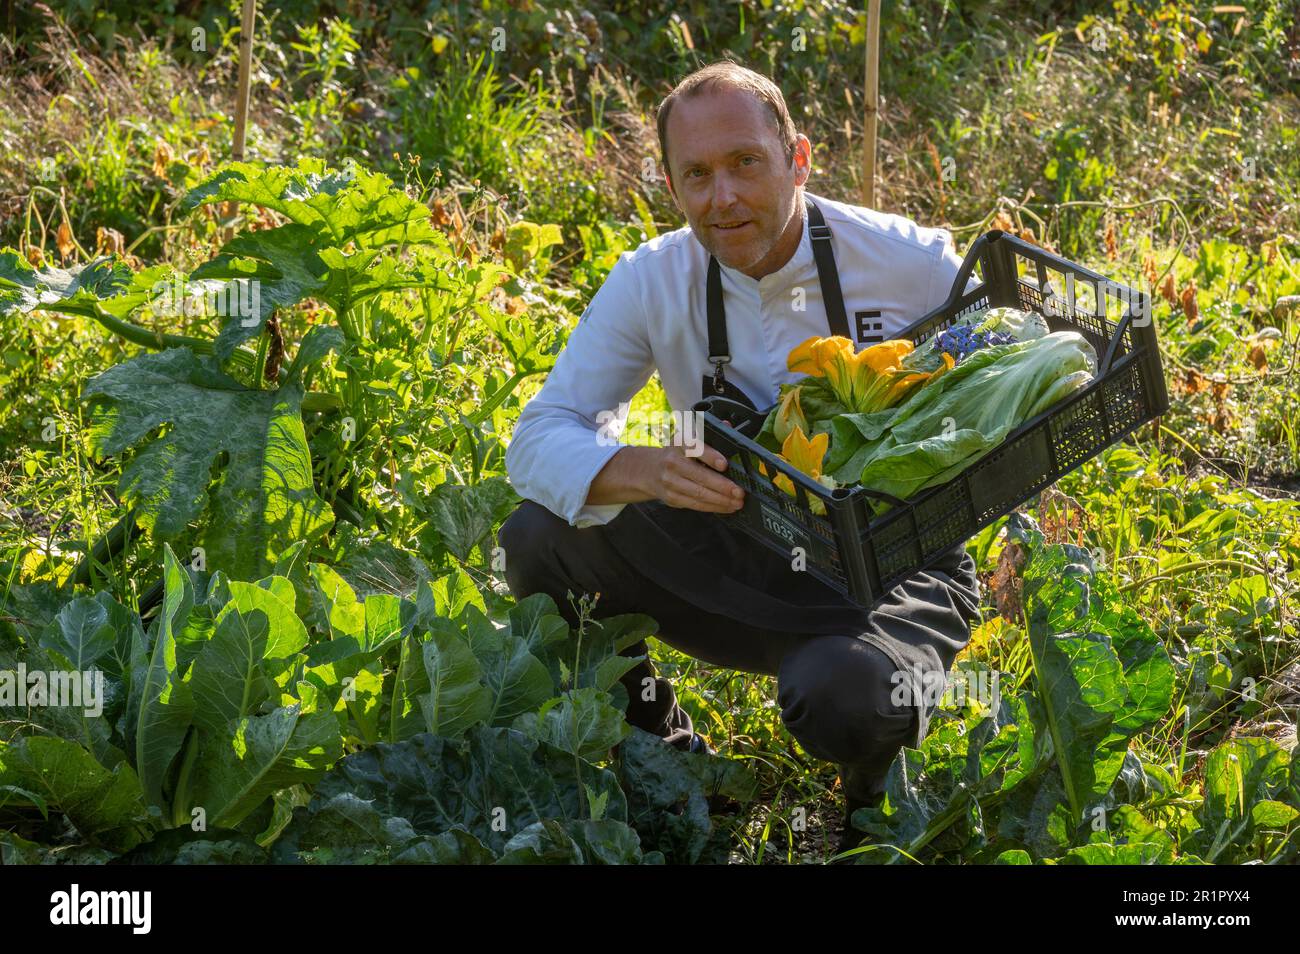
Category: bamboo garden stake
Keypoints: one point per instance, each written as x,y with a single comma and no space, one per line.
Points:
246,25
871,101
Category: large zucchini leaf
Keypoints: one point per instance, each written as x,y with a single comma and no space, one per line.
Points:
264,499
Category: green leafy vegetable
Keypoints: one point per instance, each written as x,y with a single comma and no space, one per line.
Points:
948,425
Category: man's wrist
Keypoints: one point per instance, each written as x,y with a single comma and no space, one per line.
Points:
625,478
648,472
637,466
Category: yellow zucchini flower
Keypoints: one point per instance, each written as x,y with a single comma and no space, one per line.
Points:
873,379
789,415
814,354
806,455
887,355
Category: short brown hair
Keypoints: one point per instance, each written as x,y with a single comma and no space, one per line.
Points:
730,73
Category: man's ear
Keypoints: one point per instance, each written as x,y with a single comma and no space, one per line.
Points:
672,193
804,168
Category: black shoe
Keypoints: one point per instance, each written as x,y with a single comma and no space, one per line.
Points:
700,746
697,745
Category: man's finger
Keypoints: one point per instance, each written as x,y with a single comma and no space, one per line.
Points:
708,456
703,470
706,495
718,484
699,496
712,457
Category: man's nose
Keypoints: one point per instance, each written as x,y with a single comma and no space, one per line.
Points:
724,191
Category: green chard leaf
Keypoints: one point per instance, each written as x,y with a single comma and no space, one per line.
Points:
1102,674
258,755
581,722
104,805
166,706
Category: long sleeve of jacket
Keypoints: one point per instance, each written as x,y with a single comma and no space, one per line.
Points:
568,431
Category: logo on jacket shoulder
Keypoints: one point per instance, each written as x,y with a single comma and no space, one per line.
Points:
867,326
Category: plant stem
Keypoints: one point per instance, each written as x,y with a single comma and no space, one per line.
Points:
445,435
259,362
156,340
112,544
180,802
1189,567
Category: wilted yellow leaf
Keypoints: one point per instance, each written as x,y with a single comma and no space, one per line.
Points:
109,241
63,239
162,157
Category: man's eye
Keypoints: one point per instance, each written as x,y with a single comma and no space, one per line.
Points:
755,158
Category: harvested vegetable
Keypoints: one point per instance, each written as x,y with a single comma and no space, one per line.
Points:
936,437
878,423
839,382
789,415
973,332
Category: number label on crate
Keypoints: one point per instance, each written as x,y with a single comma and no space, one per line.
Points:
782,527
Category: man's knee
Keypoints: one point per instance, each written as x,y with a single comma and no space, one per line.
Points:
837,698
544,553
957,571
528,537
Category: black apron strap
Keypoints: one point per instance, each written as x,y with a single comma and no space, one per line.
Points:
827,276
718,385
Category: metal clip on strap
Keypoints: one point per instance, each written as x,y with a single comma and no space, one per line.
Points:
718,362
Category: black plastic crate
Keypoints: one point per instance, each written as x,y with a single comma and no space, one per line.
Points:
863,557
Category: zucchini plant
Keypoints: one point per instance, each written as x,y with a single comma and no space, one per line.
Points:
341,349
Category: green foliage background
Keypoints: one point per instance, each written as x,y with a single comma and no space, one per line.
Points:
1153,141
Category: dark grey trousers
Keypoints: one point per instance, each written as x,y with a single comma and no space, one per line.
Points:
834,691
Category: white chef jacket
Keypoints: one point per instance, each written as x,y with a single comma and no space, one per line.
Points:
651,313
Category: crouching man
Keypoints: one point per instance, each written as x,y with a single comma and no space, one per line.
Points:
716,307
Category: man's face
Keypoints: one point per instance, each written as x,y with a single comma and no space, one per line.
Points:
727,168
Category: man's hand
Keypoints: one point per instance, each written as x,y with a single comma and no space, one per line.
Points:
692,482
668,474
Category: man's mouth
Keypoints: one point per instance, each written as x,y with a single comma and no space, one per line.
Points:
732,226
